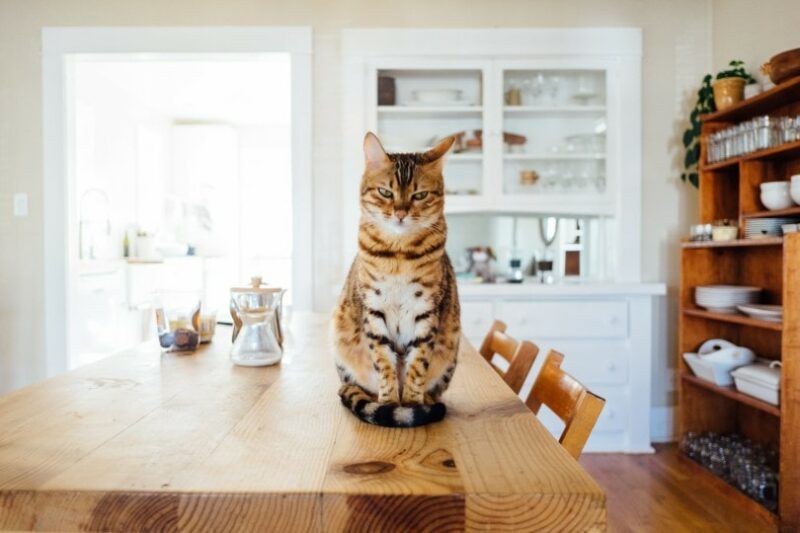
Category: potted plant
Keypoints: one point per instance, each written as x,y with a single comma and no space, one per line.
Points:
729,85
708,102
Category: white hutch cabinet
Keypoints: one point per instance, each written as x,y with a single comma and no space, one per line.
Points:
551,123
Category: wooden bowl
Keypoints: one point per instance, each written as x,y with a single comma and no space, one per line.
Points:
783,66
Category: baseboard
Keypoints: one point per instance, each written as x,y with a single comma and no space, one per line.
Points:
662,424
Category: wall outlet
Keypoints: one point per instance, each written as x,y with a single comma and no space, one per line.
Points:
20,204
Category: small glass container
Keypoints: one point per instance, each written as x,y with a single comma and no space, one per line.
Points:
178,321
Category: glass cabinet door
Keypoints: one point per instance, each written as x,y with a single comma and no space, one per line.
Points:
417,107
553,133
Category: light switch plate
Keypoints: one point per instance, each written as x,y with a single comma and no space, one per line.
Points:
20,204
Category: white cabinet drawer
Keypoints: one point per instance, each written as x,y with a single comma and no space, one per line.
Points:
476,318
565,319
593,362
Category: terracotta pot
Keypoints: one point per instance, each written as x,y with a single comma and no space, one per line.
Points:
728,91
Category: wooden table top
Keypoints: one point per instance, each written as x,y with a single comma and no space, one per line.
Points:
142,440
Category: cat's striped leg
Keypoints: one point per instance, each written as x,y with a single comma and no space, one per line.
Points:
384,360
417,363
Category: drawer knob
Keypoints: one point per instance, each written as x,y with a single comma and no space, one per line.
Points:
614,320
611,366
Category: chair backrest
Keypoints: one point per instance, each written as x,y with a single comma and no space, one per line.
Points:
569,399
519,355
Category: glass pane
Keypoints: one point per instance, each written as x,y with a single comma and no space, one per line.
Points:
417,108
554,130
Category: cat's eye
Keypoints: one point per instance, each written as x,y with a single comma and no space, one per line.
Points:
386,193
419,195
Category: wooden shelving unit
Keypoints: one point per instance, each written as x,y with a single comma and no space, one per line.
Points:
730,190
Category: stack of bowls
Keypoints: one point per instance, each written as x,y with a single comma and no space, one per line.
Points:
775,195
794,188
725,298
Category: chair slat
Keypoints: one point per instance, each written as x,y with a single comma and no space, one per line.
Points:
569,399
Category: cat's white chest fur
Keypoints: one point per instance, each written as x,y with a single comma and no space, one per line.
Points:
401,302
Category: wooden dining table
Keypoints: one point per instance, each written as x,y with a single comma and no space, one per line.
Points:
142,440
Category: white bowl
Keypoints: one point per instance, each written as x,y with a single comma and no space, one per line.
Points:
794,192
789,228
775,185
776,199
795,179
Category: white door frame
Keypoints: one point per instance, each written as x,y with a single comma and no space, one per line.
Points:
60,220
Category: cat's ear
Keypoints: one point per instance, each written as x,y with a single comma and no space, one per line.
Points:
374,154
436,154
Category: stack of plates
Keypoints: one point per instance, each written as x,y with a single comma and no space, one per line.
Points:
765,227
770,313
725,298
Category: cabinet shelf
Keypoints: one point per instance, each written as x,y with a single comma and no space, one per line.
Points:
720,485
791,211
433,111
733,394
761,104
784,151
554,157
733,319
550,110
739,243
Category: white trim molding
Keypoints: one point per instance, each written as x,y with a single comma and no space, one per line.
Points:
59,48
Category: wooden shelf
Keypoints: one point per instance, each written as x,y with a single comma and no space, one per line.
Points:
733,394
730,190
738,243
789,212
720,485
733,319
761,104
783,151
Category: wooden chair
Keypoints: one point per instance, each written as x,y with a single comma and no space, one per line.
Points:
572,402
519,355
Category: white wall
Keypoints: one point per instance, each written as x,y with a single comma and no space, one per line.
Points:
677,52
753,32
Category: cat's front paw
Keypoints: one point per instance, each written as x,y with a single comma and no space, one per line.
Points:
389,397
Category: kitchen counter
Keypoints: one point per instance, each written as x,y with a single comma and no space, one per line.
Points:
145,441
583,288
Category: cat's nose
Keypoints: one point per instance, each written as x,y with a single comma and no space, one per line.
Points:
401,214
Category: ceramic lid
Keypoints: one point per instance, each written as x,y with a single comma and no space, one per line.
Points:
256,287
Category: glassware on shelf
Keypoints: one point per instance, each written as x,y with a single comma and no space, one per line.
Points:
750,467
554,89
759,133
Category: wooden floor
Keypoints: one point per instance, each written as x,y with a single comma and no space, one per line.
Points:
658,493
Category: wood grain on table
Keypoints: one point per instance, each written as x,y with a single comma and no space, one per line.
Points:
142,440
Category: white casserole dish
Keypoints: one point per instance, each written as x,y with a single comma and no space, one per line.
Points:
715,360
760,381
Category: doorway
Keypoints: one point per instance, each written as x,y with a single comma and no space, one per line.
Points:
183,167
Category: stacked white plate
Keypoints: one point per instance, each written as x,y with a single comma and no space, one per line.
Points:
765,227
725,298
770,313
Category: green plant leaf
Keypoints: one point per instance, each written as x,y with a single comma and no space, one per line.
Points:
688,137
694,179
692,156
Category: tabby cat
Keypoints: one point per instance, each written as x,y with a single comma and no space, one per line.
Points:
396,327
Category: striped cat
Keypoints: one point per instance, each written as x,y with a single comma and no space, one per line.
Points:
396,328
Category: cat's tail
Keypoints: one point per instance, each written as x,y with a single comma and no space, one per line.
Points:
364,406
